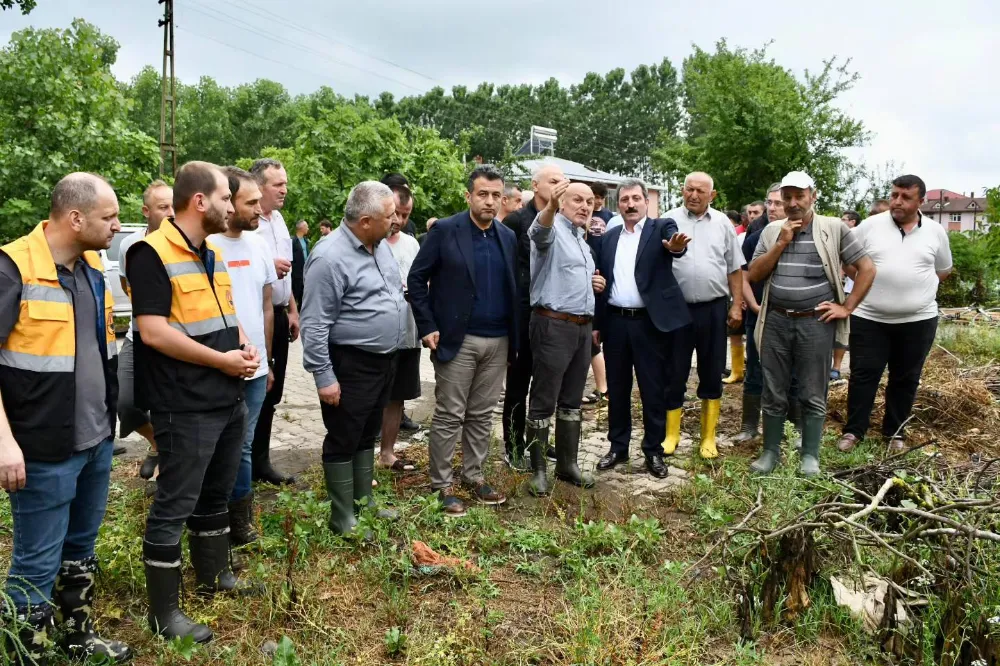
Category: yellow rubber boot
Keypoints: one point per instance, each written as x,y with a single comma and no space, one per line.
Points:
738,364
673,431
709,419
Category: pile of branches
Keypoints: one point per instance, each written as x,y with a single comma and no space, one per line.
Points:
932,529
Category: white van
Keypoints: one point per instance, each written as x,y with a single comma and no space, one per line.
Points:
123,306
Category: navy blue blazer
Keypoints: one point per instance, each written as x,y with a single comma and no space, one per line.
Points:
654,275
442,283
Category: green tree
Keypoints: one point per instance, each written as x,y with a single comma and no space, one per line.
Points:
348,143
25,5
61,110
748,121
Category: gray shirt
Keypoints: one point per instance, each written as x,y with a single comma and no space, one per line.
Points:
561,268
354,298
90,409
799,280
714,253
123,249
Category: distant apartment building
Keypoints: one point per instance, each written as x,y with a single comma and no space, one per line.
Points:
956,210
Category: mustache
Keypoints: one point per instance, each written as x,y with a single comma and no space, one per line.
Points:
631,210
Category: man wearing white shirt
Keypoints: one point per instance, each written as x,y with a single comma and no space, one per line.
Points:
895,325
273,183
157,205
709,275
640,305
250,265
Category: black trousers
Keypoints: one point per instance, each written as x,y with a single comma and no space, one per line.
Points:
706,334
199,457
365,383
298,288
874,345
635,343
518,381
262,433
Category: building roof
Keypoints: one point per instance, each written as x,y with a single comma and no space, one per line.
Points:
572,170
953,204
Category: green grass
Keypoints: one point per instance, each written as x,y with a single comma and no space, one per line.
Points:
975,344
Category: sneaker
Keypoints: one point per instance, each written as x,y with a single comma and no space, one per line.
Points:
486,494
409,425
450,505
834,375
517,463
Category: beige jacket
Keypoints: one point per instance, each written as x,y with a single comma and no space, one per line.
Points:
826,235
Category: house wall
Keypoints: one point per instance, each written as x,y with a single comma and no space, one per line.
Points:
654,203
970,221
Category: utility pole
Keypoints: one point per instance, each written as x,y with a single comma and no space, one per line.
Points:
168,98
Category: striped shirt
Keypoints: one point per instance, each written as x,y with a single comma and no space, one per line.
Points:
799,281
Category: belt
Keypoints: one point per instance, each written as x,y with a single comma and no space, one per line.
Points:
794,314
562,316
631,313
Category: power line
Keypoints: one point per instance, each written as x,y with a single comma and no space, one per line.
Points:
228,19
327,38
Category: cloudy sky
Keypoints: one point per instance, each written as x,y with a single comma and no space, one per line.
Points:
929,70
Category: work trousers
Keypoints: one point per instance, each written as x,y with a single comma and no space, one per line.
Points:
561,351
801,347
199,459
874,345
279,349
515,400
366,380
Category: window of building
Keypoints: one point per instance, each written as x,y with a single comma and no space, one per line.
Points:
956,217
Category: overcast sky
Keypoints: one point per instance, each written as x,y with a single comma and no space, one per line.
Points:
929,70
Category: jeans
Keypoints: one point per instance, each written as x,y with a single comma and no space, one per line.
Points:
466,392
561,351
799,347
199,457
254,393
874,345
56,517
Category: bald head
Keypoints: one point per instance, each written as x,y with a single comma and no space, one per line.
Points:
84,212
698,193
543,181
577,204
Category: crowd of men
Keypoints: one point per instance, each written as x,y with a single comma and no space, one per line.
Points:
532,296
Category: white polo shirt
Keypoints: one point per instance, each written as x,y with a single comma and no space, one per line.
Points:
907,265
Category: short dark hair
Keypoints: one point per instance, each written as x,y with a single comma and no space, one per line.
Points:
735,216
76,191
193,178
757,203
910,181
403,192
394,180
852,215
599,190
486,171
260,167
236,175
326,223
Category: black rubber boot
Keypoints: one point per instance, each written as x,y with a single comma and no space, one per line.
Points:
568,423
208,539
73,597
812,436
751,419
536,435
149,465
363,471
33,628
339,478
260,457
241,518
774,429
163,583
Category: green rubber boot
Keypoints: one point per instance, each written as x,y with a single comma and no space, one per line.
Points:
774,428
536,435
339,478
812,436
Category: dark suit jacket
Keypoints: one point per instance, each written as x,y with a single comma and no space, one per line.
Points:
442,283
519,222
654,275
298,258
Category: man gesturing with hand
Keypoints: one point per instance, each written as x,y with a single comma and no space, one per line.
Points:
803,310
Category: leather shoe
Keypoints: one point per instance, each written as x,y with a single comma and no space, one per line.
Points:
611,459
656,466
270,475
847,443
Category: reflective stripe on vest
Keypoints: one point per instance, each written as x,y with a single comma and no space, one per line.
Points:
44,337
197,306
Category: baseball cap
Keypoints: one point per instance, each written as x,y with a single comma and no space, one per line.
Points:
799,179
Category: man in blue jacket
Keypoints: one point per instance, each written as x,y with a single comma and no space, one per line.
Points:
641,303
462,291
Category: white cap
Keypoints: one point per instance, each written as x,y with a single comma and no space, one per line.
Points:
799,179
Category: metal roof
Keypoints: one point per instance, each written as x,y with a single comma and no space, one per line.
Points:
572,170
